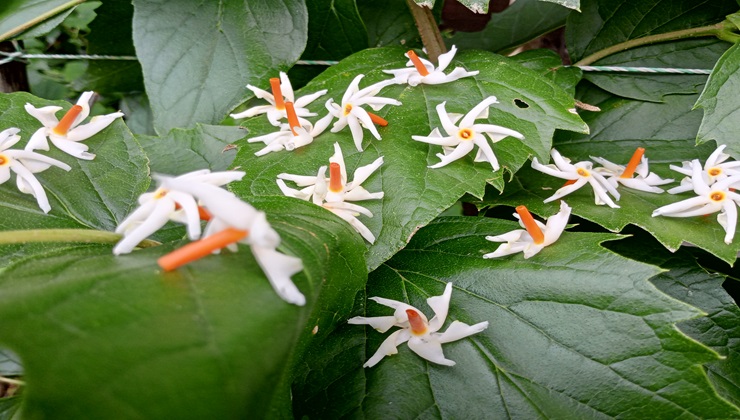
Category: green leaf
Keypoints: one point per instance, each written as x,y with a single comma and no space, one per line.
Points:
721,102
17,16
203,147
563,324
570,4
521,22
686,281
684,54
549,65
666,130
416,194
133,340
389,22
198,56
96,194
603,23
9,407
335,30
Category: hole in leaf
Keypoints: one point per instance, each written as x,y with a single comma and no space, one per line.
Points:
520,103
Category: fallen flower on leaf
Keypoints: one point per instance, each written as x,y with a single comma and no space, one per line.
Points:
25,163
67,133
618,174
292,135
421,334
710,199
423,71
534,236
234,221
461,138
175,199
578,175
282,92
335,195
715,168
351,112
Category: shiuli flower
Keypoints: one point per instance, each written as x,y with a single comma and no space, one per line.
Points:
233,221
336,194
293,135
282,92
25,163
351,112
461,138
577,175
419,70
67,133
175,199
420,333
715,168
618,174
710,199
534,236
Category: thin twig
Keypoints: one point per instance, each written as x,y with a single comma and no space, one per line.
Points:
428,29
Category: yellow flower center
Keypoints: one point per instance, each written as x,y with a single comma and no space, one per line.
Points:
160,193
582,172
418,326
347,109
714,171
4,160
465,134
717,196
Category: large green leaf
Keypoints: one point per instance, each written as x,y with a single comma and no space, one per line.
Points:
335,30
202,147
95,194
198,56
17,16
666,130
389,22
521,22
575,332
9,408
549,65
415,194
685,280
721,102
603,23
114,337
689,54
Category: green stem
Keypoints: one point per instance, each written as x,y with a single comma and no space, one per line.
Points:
66,235
40,18
428,29
720,30
12,381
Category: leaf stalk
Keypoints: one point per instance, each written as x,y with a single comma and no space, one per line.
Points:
428,30
65,235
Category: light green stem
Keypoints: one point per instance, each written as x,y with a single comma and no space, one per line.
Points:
66,235
719,30
40,18
428,29
12,381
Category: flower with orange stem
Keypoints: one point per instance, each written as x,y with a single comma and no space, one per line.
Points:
232,222
351,113
535,235
175,199
297,133
336,194
67,133
25,163
625,175
282,92
463,134
577,175
419,70
420,333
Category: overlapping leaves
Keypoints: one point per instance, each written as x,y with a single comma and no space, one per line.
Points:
563,324
415,194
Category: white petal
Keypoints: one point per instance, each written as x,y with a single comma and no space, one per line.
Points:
362,173
92,128
388,347
458,330
45,115
157,218
279,268
28,183
78,150
440,305
461,150
477,111
38,141
430,349
556,224
380,323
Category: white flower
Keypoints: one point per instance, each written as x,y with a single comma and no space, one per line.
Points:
715,168
282,91
421,334
710,199
291,138
67,133
536,236
419,70
25,163
351,112
335,195
581,173
618,174
461,138
176,199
